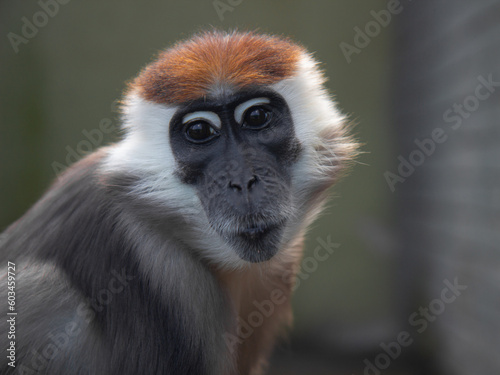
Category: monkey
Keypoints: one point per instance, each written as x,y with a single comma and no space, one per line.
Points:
153,255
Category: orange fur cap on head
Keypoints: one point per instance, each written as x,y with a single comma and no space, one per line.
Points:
191,69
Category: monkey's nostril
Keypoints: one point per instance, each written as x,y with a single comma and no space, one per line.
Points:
239,187
235,187
252,182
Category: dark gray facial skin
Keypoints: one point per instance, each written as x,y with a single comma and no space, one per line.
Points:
241,171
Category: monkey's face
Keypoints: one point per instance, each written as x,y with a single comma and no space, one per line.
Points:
237,152
232,142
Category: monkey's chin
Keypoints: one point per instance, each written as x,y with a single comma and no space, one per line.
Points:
257,244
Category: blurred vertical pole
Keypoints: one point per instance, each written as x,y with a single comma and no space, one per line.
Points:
23,119
448,84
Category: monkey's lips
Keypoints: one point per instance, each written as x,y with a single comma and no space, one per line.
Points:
256,232
258,242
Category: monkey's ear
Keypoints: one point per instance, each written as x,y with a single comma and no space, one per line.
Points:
339,150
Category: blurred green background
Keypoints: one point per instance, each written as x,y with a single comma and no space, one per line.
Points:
68,77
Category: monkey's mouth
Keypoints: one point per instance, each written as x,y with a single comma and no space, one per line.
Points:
257,243
255,233
254,238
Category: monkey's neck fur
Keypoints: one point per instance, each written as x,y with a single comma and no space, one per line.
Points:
260,305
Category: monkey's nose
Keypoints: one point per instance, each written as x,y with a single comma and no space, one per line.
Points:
243,184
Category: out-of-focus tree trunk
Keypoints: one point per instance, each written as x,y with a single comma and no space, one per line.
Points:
448,77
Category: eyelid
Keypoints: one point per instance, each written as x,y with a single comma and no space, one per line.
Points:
210,117
241,108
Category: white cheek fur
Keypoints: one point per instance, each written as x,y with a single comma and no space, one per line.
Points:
146,151
314,113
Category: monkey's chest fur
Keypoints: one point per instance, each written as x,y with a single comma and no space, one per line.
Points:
260,308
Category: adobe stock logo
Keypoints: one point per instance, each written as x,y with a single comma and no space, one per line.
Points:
223,6
372,29
420,321
454,115
94,139
30,27
264,309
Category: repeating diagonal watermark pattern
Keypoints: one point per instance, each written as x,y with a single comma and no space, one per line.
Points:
93,139
31,26
264,309
419,321
455,115
363,36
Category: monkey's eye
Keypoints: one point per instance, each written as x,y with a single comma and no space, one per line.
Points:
257,117
200,131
